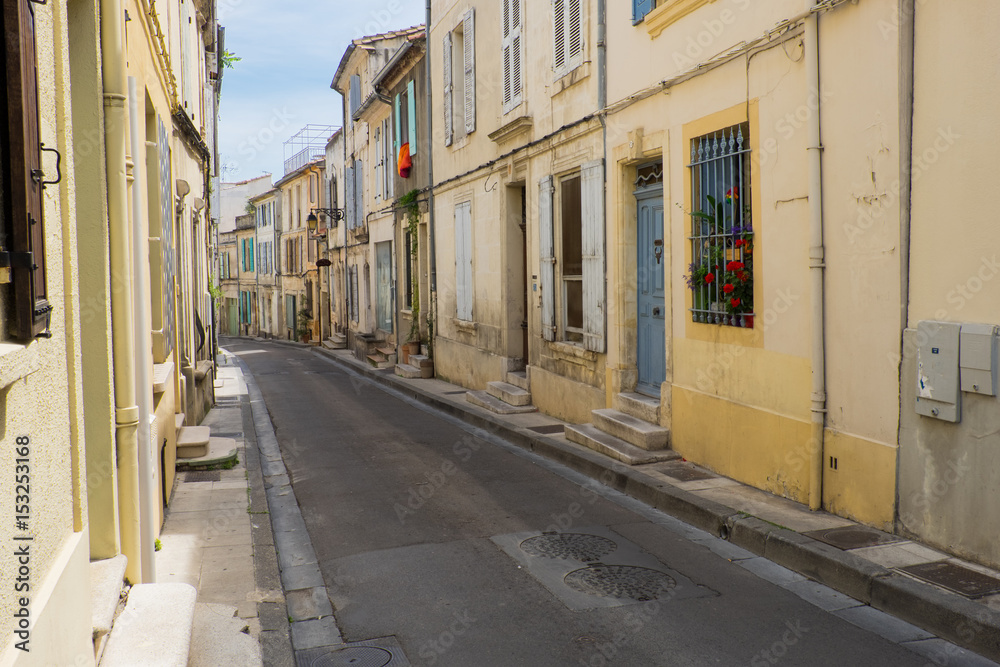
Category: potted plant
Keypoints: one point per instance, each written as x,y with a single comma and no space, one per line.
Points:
304,325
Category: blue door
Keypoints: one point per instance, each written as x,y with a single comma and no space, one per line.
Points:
651,348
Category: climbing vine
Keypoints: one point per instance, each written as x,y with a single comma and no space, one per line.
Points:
408,203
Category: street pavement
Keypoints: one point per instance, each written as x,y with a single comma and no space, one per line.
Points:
441,544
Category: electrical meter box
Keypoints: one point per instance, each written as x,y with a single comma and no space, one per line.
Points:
937,370
978,359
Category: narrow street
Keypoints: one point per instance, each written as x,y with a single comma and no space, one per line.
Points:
417,523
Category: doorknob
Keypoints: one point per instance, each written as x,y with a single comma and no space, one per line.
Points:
656,312
658,249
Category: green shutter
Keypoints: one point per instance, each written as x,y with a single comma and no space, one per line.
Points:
411,103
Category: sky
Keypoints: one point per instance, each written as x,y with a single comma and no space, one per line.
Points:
289,53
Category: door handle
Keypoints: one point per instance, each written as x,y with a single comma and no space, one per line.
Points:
658,249
656,312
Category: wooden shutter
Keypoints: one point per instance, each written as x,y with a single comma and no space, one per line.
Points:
411,115
27,237
559,35
349,208
640,8
511,54
359,193
567,17
355,93
574,29
397,139
449,120
547,257
469,31
463,261
592,194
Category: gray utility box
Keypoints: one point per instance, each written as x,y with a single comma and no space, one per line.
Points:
978,359
937,370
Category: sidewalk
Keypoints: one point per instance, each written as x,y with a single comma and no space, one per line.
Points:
217,537
756,523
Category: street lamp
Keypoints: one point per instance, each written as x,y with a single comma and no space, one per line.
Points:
333,213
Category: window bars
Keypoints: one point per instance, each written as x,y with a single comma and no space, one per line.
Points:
721,272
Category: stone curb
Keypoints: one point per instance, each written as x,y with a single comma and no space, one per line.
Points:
950,616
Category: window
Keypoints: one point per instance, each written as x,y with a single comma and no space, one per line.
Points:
410,259
580,252
406,117
463,261
388,159
21,220
513,48
567,35
460,79
290,311
379,164
640,8
383,286
721,272
355,93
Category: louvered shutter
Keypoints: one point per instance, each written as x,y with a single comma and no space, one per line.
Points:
359,193
411,115
592,194
547,257
27,241
355,93
469,30
511,54
559,34
397,137
574,28
449,129
349,208
640,8
463,261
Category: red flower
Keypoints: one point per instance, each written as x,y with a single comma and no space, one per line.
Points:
734,302
734,266
740,243
727,288
710,278
743,276
731,194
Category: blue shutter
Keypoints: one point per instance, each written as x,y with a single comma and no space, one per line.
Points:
640,8
411,104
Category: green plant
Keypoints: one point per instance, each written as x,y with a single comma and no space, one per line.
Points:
250,209
229,59
408,203
304,323
214,290
157,545
722,266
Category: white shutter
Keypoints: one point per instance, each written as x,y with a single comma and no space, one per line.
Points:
448,92
378,163
592,194
469,30
349,196
512,48
463,261
547,256
558,35
359,193
411,115
574,28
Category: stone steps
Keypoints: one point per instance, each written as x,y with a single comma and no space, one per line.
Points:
380,361
508,393
220,452
493,404
421,361
407,371
638,406
192,441
333,344
106,579
154,630
631,429
593,438
519,379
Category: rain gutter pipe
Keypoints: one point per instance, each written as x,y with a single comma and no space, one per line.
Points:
142,326
431,237
817,263
123,343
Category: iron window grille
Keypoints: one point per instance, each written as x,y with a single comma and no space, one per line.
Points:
721,272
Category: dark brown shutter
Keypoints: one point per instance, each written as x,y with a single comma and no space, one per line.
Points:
31,305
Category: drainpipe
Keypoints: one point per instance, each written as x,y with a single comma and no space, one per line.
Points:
123,345
907,39
431,237
816,264
142,326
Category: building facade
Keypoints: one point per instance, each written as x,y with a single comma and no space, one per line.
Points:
301,192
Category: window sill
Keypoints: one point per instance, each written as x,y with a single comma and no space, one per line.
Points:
512,130
570,77
573,352
669,13
465,326
17,362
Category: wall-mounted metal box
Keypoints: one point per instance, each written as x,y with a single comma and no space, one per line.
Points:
937,370
978,359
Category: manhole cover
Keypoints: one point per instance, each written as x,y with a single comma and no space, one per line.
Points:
203,476
683,473
852,537
575,546
621,581
355,656
955,578
548,428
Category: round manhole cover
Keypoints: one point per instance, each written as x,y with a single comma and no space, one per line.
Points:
575,546
621,581
354,656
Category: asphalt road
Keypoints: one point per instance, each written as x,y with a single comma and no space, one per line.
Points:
431,533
